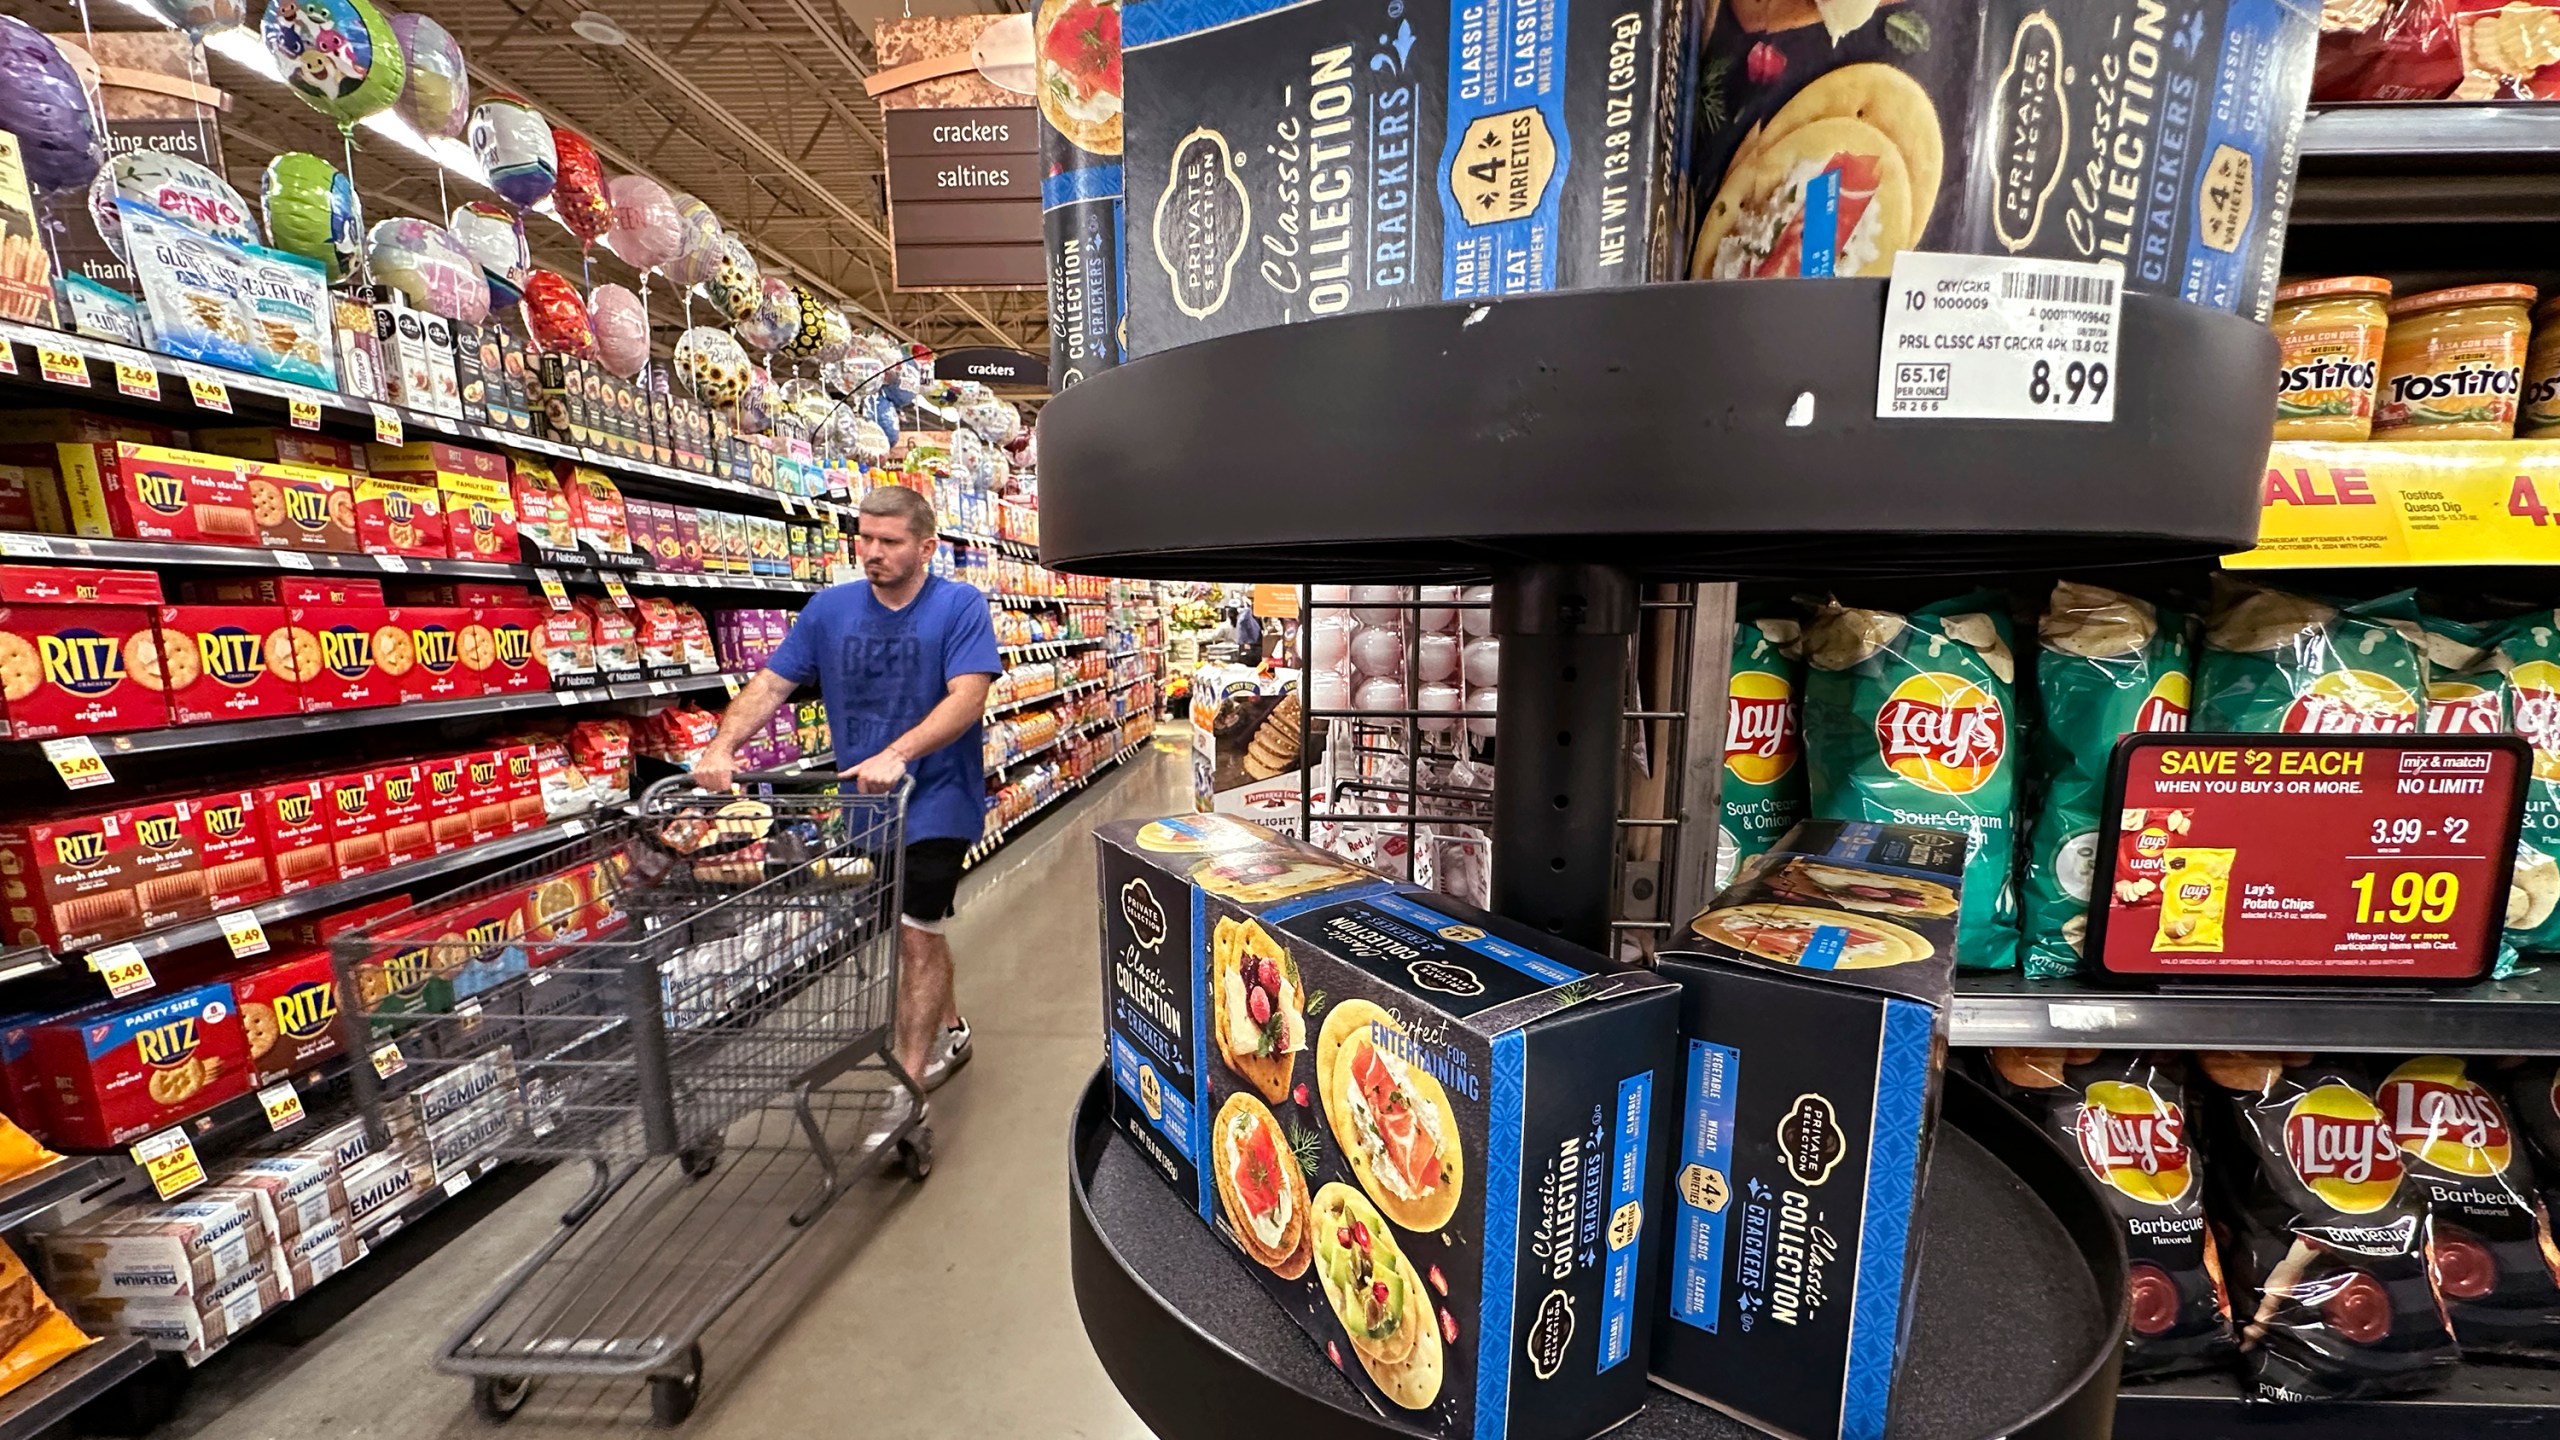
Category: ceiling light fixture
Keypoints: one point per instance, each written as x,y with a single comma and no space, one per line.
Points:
596,27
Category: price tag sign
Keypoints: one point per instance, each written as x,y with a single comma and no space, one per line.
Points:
62,367
730,684
139,381
552,589
25,547
2328,856
75,758
1986,337
396,564
242,932
169,1158
387,1061
284,1105
291,559
457,1182
386,426
8,357
613,587
209,393
123,968
661,687
304,413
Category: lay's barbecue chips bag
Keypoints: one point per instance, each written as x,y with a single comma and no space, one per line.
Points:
2107,665
1762,793
1911,720
2527,653
2276,663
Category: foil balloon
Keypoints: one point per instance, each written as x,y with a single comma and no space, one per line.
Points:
425,263
312,212
493,235
177,187
555,315
835,338
712,365
513,143
810,330
646,229
735,282
43,103
756,403
200,17
340,56
579,192
437,99
806,405
698,247
621,328
775,318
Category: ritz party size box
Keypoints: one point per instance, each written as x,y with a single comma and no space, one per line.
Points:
1812,1029
1431,1134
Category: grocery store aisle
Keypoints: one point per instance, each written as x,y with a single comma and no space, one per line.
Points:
935,1310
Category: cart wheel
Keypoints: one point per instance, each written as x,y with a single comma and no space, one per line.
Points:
915,1152
499,1397
672,1397
700,1162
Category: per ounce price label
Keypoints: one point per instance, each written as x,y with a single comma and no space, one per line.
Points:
1983,337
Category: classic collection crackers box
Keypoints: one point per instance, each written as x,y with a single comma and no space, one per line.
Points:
1292,161
1431,1133
1811,1021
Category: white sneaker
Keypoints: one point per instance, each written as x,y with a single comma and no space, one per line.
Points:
949,1054
902,1105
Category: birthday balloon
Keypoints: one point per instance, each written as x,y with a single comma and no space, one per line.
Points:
199,17
312,211
735,282
177,187
493,235
835,338
555,315
870,442
425,263
646,229
621,327
698,250
437,99
774,321
754,415
340,56
712,365
43,103
513,143
579,194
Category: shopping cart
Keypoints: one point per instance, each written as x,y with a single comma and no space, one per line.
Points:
698,999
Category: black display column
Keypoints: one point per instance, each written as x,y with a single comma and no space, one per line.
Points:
1564,632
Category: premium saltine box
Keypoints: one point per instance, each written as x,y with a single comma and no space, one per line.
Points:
1432,1134
1812,1025
1286,162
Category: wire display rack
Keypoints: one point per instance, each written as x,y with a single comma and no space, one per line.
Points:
698,1000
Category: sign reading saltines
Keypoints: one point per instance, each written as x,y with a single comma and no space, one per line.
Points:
2335,857
1983,337
963,157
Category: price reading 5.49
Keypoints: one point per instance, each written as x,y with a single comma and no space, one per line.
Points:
2412,896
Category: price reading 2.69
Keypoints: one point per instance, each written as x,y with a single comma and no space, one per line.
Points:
2412,896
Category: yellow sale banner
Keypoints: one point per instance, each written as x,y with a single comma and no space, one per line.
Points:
2459,502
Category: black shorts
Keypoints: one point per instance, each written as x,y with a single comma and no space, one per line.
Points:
933,879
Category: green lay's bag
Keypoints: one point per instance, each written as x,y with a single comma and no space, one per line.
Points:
2468,695
2276,663
2527,653
1911,720
1762,792
2107,665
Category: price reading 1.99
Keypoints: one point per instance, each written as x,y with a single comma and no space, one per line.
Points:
2412,897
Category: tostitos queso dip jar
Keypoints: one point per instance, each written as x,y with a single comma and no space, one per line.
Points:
2540,417
2453,366
2329,334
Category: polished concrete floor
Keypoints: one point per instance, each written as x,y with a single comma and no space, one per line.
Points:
940,1309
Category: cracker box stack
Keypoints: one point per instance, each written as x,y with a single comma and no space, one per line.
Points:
1812,1022
1431,1134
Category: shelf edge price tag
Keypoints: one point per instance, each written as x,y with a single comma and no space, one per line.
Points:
25,547
1990,337
242,932
169,1158
62,367
139,381
303,412
621,596
75,758
730,684
386,426
292,560
284,1105
457,1182
396,564
123,968
208,392
552,589
387,1061
8,356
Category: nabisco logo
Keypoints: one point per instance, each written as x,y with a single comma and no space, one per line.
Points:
232,655
2336,1140
160,492
2352,702
2536,686
2165,708
1942,732
307,506
2134,1141
2440,1115
2459,707
1761,738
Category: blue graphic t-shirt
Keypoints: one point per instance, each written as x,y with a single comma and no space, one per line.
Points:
882,671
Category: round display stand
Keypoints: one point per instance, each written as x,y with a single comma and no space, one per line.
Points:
1712,430
2019,1302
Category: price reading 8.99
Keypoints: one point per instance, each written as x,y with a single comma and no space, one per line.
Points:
2411,897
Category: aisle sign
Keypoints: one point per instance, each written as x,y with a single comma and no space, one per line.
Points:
138,381
75,758
2459,502
1988,337
123,968
209,393
2333,857
386,426
169,1158
303,412
963,162
62,367
242,932
283,1104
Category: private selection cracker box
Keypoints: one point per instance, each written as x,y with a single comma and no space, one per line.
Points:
1432,1134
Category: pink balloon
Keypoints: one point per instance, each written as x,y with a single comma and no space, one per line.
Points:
622,329
646,231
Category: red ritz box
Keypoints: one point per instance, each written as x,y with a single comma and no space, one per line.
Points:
404,814
149,492
484,791
515,658
443,783
69,881
232,851
292,817
521,779
119,1074
71,641
399,517
354,803
344,648
428,665
168,883
289,1012
227,662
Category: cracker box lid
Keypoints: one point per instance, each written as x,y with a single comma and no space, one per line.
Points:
69,585
1854,902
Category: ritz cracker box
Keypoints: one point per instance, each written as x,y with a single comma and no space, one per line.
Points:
1812,1021
1433,1135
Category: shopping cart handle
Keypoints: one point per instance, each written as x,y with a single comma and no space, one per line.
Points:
782,776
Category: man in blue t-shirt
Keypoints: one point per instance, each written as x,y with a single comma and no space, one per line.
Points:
903,658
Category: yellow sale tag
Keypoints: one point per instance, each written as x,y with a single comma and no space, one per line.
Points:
613,587
169,1158
387,1061
284,1105
730,684
62,367
242,932
139,381
209,393
305,414
8,357
386,426
75,758
552,589
2475,502
123,968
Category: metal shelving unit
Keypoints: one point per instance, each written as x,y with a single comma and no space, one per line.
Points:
2499,1017
73,548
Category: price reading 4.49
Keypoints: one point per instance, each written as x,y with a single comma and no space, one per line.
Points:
2411,897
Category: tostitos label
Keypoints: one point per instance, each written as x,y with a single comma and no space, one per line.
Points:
2134,1142
2444,1119
1942,732
2337,1141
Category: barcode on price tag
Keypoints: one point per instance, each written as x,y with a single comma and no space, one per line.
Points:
284,1105
169,1158
242,932
1986,337
75,758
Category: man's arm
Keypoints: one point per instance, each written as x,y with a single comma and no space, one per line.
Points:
963,702
754,705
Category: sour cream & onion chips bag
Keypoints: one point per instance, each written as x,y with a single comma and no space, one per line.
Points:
2278,663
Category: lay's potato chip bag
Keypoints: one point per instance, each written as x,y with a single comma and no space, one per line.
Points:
1762,792
2527,654
2279,663
2467,694
2195,890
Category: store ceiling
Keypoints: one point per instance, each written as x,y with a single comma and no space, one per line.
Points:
756,106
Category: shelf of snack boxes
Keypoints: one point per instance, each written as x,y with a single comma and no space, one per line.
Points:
995,838
1062,737
178,378
575,569
1061,693
1047,649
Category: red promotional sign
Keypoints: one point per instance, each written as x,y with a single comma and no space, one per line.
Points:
2335,857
